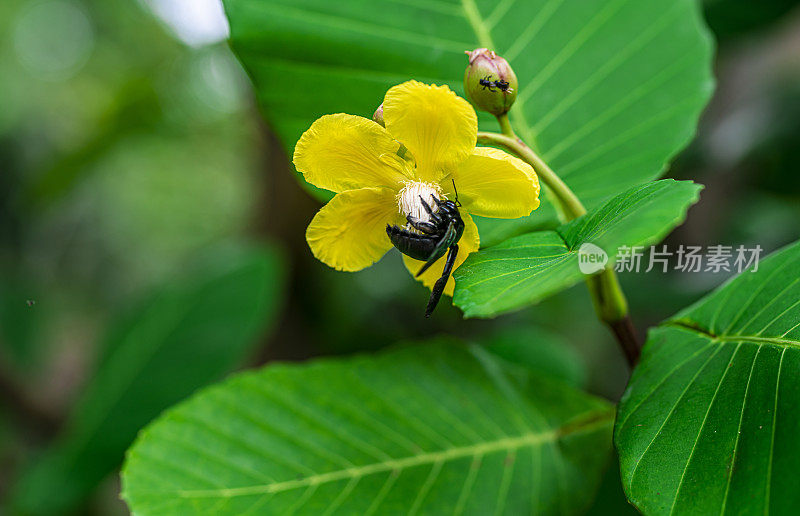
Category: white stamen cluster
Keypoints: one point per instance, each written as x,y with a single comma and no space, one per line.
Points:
408,200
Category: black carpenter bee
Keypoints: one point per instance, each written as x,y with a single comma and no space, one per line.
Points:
438,236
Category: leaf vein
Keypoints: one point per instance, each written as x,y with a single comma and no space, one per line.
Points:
739,432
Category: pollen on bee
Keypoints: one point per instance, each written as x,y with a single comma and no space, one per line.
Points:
408,200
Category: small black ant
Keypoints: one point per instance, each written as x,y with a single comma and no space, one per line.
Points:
500,84
486,83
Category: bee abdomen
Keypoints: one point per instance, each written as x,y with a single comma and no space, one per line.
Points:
419,247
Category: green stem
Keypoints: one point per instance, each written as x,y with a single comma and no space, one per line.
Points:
505,127
609,300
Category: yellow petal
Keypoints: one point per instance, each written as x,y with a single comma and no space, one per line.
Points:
344,152
349,233
469,243
437,126
493,183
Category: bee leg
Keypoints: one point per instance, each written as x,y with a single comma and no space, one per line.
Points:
434,216
438,287
426,227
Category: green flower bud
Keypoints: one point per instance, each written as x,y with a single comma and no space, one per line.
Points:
489,81
378,116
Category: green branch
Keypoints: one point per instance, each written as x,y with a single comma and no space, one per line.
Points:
609,300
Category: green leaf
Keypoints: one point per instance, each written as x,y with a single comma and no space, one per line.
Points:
528,268
185,337
610,498
609,91
541,351
435,428
708,424
22,319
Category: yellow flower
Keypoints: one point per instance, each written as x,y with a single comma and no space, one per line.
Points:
361,161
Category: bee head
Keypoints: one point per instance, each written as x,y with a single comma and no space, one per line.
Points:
448,207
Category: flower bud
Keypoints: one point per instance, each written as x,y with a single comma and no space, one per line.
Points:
378,116
489,81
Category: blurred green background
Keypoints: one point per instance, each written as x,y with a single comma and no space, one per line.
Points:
152,232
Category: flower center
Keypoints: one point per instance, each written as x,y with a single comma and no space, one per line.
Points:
409,203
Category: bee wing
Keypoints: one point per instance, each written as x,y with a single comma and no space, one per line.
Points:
436,254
